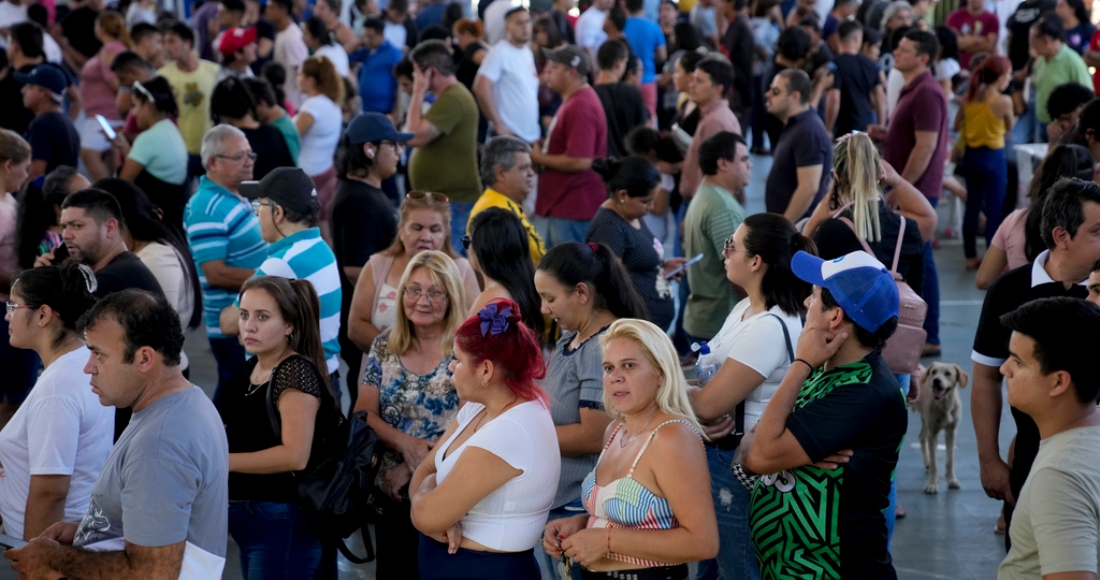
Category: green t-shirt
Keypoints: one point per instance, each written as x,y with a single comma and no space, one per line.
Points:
809,522
449,163
290,133
713,216
1065,67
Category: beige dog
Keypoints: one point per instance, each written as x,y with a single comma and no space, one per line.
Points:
940,408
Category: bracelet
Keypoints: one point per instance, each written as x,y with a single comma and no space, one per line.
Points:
609,552
810,366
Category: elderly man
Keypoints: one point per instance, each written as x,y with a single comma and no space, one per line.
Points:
224,236
509,176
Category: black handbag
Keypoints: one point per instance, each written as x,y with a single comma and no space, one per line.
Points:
334,490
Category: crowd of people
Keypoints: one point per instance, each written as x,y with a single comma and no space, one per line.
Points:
503,235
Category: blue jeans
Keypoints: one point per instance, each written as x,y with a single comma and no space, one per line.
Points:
892,510
736,556
986,172
548,565
1026,128
931,291
230,356
437,564
556,231
274,541
460,214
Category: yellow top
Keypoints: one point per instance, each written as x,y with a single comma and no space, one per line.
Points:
493,198
981,127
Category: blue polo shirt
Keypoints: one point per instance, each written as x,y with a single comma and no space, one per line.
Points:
644,37
306,256
377,86
221,225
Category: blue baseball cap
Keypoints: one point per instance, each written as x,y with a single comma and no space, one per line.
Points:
861,285
48,76
371,127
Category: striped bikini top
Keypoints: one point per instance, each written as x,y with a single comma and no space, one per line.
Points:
625,503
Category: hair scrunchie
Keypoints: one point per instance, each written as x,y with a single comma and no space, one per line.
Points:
494,321
593,247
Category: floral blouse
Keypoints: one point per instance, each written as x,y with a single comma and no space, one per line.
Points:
418,405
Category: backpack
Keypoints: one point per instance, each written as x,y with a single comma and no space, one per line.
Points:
903,348
334,490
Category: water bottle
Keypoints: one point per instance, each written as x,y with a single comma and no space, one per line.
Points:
703,372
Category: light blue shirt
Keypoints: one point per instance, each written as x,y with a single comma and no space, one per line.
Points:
162,151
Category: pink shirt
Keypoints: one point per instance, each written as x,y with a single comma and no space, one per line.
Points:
579,129
715,118
1012,238
9,258
98,96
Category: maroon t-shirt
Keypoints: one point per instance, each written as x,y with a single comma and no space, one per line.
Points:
922,106
579,129
963,22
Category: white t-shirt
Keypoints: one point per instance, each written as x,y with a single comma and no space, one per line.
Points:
511,518
589,29
397,34
758,343
291,51
167,267
61,429
320,141
11,14
337,56
515,87
494,20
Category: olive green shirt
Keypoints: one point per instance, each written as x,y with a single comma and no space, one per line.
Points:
448,164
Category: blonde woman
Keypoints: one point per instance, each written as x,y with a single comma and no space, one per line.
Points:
407,391
98,89
654,454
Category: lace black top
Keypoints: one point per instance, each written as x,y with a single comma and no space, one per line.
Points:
248,427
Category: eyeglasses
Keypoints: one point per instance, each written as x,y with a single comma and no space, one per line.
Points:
12,307
257,204
434,296
434,195
466,242
239,158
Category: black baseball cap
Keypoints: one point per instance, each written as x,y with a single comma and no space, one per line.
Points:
289,187
48,76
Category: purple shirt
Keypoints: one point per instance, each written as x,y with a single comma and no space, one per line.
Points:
922,106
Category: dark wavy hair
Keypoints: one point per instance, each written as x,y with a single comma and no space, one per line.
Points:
634,174
503,253
773,238
595,266
64,288
144,220
515,351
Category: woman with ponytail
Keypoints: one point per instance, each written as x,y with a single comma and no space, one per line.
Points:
982,120
57,442
632,185
583,290
279,324
753,351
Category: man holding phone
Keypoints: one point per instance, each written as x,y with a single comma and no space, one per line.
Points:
52,136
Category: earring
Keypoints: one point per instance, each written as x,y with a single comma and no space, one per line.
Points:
621,200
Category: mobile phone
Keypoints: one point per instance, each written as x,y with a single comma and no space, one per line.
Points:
11,542
683,266
107,128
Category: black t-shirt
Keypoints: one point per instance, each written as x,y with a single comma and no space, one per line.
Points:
15,116
804,142
809,522
738,43
248,428
834,239
364,223
624,108
264,29
54,139
125,272
1019,27
269,145
636,247
1009,292
856,77
79,28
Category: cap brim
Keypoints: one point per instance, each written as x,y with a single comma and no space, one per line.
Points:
551,54
251,189
22,77
403,137
808,268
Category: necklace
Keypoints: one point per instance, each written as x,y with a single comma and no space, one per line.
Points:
623,440
486,414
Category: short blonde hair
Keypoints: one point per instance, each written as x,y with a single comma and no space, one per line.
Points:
672,396
444,272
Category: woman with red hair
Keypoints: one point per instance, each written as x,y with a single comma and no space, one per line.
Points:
483,493
982,121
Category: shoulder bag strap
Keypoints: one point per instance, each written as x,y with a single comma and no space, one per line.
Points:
786,335
897,249
862,241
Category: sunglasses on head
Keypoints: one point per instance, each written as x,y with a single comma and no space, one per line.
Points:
434,195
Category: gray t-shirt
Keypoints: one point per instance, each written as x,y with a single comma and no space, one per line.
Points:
166,480
1055,527
574,380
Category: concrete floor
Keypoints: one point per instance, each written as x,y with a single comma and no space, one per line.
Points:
949,535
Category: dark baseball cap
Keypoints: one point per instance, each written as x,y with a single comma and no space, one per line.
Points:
570,55
373,127
289,187
48,76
